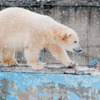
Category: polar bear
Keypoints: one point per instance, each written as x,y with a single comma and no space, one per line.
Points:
24,29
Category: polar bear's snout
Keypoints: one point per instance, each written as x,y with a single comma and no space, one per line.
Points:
77,48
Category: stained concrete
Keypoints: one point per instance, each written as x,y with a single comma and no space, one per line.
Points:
30,86
4,89
53,69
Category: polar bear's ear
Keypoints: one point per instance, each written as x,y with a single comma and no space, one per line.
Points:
66,36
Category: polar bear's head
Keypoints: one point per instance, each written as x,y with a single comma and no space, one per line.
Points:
71,42
68,39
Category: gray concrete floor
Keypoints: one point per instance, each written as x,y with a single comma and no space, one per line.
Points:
52,68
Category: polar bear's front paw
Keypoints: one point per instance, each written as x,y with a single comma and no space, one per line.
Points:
73,64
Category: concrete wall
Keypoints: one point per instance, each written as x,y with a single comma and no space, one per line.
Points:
29,86
84,20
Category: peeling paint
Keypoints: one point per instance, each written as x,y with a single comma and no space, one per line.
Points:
65,92
35,86
4,88
13,84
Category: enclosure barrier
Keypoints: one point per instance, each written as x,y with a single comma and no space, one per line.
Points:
50,83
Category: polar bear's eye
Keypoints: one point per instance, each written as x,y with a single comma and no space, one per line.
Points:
75,41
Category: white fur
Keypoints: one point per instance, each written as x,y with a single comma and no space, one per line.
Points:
23,29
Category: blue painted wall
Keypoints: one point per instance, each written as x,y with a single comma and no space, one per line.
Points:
36,86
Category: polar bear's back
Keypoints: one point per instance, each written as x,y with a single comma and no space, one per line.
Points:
21,18
18,24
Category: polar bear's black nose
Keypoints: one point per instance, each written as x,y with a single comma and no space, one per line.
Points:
77,50
80,50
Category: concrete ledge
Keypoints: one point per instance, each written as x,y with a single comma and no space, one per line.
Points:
53,69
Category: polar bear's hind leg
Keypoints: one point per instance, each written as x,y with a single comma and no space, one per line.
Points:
7,56
32,57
